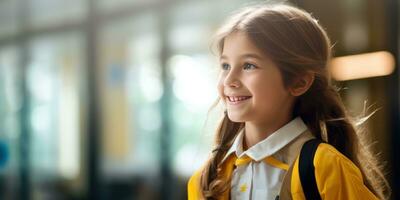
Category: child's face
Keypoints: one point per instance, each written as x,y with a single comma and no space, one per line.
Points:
250,84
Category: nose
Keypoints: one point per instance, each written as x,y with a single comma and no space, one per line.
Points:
232,80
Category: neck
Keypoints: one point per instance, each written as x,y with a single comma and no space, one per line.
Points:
256,132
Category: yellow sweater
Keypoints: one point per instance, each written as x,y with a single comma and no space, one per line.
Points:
336,176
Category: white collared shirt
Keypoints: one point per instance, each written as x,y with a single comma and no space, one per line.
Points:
259,180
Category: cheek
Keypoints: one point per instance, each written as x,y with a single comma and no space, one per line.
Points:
220,87
270,101
269,92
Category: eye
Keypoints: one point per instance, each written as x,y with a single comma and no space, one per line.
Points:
249,66
225,66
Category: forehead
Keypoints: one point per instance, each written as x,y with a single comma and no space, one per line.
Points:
237,44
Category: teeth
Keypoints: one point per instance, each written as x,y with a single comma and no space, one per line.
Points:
235,99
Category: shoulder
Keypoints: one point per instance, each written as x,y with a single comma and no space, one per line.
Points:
328,158
195,178
329,164
193,185
337,176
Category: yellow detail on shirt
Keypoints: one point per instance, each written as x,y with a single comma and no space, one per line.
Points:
336,176
276,163
269,160
242,161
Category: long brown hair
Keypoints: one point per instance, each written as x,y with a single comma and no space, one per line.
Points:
297,43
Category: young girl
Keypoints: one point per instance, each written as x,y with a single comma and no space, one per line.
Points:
279,102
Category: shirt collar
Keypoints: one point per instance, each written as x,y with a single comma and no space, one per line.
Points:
237,145
271,144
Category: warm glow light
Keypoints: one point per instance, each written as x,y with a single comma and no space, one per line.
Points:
359,66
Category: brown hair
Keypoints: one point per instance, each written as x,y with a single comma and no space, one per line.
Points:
297,43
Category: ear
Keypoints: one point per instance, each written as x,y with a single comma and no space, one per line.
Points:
302,84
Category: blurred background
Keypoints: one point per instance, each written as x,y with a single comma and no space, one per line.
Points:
105,99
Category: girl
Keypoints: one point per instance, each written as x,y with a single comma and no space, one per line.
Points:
279,102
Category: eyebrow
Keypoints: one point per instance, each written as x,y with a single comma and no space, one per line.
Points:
249,55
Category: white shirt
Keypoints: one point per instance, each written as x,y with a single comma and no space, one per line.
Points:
257,179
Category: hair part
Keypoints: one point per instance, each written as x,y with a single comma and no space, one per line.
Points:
297,44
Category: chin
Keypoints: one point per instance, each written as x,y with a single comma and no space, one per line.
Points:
236,118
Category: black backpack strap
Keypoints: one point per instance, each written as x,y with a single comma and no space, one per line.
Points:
306,169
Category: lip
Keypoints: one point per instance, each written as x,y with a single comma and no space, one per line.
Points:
237,99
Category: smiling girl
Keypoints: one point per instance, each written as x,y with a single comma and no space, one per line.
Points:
285,133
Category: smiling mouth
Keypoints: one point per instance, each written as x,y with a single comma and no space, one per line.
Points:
237,99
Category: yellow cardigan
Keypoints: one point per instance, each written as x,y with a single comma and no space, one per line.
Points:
336,176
